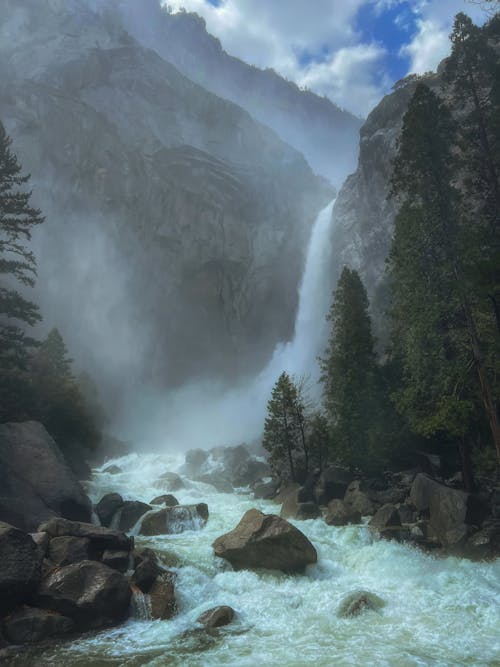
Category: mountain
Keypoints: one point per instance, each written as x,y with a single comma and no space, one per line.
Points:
326,135
176,223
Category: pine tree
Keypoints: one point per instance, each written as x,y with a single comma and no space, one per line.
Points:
435,334
350,375
284,429
17,265
318,440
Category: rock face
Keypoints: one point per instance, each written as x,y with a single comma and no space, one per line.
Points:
451,512
35,479
265,541
216,617
90,593
173,520
20,566
188,201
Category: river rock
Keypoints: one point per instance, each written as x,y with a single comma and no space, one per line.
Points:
358,500
195,461
36,482
42,542
266,491
116,560
341,514
265,541
28,625
20,566
173,520
484,544
171,481
216,617
90,593
250,471
292,508
284,491
166,499
113,470
107,507
99,536
332,483
216,479
129,514
162,594
359,602
451,512
407,512
66,550
385,517
146,573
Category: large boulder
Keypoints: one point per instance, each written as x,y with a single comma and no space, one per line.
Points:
250,471
20,566
385,517
267,490
29,625
217,480
332,483
129,514
216,617
162,595
171,481
66,550
358,500
451,512
195,461
173,520
90,593
341,514
166,499
107,507
101,538
36,482
265,541
293,508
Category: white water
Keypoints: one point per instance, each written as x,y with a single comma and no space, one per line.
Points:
439,612
227,417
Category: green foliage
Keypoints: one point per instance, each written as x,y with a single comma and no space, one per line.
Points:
318,440
350,376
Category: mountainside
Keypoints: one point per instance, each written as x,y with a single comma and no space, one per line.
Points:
325,134
196,215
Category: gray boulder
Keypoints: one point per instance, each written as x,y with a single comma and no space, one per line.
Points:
195,461
341,514
100,537
250,471
116,560
90,593
216,617
451,512
166,499
332,483
171,481
35,479
359,500
266,491
29,625
216,479
20,566
129,514
359,602
66,550
107,507
385,517
173,520
292,508
265,541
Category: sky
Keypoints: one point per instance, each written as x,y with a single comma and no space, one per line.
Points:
352,51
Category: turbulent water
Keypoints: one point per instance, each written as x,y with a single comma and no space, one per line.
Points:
438,611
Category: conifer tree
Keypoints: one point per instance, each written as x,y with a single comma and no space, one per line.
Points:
350,375
435,334
17,268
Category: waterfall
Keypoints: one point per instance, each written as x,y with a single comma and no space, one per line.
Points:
140,605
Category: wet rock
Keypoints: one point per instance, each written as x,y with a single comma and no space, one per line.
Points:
484,545
292,508
358,500
99,536
113,470
129,514
451,512
332,483
407,513
265,541
28,625
266,491
116,560
162,594
20,566
90,593
166,499
36,482
216,617
146,573
173,520
341,514
218,480
66,550
284,491
233,457
393,495
359,602
195,461
42,542
107,507
250,471
171,481
385,517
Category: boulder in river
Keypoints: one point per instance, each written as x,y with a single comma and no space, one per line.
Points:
173,520
250,471
129,514
20,566
216,617
359,602
90,593
358,499
28,625
341,514
166,499
113,470
36,482
267,490
116,560
265,541
332,483
162,594
292,508
66,550
385,517
107,507
146,572
99,536
217,480
171,481
195,461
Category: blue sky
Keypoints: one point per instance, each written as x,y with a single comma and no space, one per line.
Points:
352,51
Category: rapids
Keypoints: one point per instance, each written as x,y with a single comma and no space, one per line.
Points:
438,611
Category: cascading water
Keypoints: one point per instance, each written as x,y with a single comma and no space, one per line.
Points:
439,612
